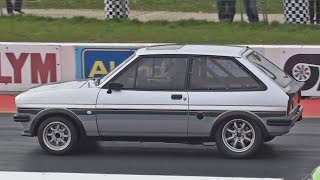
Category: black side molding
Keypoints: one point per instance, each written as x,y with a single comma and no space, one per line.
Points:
21,118
279,122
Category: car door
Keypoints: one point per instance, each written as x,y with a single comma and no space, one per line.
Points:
152,102
217,85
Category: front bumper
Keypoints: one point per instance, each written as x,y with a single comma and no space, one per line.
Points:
21,118
296,115
25,120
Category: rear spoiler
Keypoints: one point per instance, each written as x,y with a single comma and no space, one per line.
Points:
295,87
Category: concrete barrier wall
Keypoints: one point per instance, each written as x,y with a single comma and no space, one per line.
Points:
24,65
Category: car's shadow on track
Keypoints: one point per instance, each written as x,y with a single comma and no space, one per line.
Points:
164,159
94,148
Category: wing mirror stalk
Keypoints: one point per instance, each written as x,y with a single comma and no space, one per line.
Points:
114,86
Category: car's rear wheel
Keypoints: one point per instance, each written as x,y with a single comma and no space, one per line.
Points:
57,135
239,138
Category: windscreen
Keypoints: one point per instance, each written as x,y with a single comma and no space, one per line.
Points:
278,75
116,69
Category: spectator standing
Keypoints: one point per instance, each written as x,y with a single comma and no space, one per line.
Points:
226,9
314,11
17,6
252,10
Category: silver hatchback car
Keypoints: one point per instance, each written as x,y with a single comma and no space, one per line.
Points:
229,95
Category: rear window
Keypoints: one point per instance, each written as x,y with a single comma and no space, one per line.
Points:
273,71
220,73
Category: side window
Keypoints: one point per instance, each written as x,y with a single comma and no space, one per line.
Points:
127,78
161,73
219,73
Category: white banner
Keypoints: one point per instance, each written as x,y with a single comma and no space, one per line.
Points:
301,62
25,66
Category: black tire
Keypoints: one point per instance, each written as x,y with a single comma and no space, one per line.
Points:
256,144
70,145
269,138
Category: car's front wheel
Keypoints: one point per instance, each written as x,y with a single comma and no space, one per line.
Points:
239,138
57,135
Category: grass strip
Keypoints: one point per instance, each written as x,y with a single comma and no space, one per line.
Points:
80,29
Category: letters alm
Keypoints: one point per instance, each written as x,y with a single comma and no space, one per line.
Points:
38,67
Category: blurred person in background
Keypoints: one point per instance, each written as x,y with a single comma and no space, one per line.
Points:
314,10
16,7
252,10
226,9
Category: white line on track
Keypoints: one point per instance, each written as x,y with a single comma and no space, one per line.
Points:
79,176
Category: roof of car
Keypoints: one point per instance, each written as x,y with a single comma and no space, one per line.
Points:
217,50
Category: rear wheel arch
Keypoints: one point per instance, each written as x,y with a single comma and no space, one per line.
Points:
238,114
40,117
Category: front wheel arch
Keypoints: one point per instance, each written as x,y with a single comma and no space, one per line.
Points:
39,118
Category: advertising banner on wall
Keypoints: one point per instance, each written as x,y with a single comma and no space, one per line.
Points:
25,66
96,60
301,62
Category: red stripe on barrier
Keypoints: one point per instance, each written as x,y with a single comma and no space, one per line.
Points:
311,107
7,104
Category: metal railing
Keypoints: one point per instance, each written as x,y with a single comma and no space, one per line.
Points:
81,4
264,7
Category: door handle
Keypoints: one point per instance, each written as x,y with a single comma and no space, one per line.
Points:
176,96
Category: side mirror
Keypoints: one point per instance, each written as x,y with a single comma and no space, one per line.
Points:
114,86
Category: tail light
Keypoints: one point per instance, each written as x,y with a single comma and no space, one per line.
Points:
299,99
293,102
289,107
